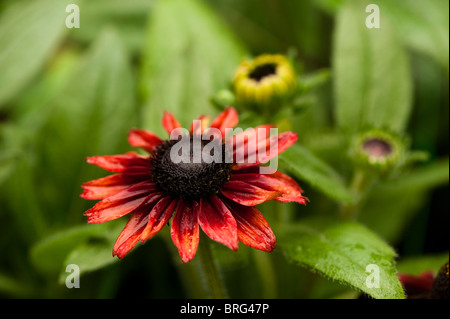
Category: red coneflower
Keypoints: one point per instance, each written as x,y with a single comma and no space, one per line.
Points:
219,195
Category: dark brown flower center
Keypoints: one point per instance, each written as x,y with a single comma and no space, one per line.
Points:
375,147
262,71
190,170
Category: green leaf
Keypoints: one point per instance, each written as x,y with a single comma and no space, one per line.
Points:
50,255
91,116
189,55
14,288
423,26
29,33
128,18
330,6
306,166
18,138
89,257
342,251
29,221
97,107
7,163
373,83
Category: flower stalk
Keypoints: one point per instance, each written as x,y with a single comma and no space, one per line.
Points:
211,274
266,270
359,186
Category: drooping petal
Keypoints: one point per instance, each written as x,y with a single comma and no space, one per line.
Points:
143,139
227,119
199,125
120,163
170,122
253,228
278,182
246,194
267,149
111,185
121,203
185,229
130,235
158,217
217,222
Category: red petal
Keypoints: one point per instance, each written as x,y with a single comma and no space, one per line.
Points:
217,222
119,163
267,149
252,136
227,119
169,122
185,230
121,203
110,185
246,194
143,139
158,217
199,125
129,236
253,228
137,224
278,182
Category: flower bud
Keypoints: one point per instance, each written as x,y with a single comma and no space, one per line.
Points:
264,82
377,150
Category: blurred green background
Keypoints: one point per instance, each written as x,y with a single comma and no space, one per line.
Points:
70,93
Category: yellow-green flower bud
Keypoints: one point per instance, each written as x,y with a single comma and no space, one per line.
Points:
266,81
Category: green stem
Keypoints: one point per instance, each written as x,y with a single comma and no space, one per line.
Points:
210,269
359,185
266,270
